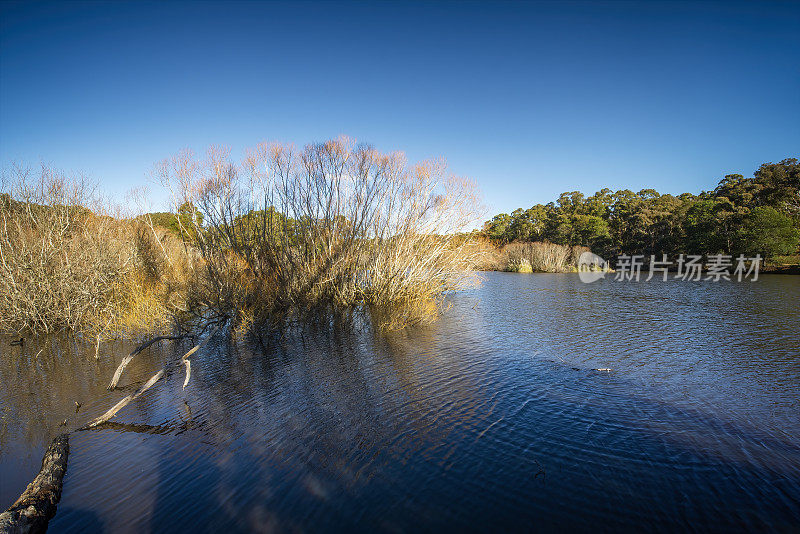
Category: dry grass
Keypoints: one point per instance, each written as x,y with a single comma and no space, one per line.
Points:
541,257
334,226
487,256
67,262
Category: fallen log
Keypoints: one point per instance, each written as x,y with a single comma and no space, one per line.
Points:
38,503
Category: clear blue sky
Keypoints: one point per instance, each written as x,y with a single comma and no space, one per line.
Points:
529,100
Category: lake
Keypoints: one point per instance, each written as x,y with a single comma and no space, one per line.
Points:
494,417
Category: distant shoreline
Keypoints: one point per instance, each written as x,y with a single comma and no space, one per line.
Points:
769,269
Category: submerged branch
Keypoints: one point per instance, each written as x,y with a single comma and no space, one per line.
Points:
127,359
127,400
188,365
37,504
185,358
155,378
146,429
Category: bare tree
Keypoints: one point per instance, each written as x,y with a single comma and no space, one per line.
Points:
336,223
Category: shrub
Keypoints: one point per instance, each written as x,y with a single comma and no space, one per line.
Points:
520,265
59,261
67,264
334,224
541,257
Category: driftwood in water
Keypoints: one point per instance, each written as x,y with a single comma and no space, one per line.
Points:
188,365
185,358
127,400
38,503
127,359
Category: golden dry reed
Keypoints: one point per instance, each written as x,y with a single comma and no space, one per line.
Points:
285,231
540,257
69,262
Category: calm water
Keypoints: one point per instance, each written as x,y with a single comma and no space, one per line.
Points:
494,417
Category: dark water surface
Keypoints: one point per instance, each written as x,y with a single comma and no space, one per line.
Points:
492,418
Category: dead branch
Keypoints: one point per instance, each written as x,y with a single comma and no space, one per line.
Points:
185,358
127,400
155,378
188,365
127,359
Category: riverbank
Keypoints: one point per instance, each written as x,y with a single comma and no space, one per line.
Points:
550,258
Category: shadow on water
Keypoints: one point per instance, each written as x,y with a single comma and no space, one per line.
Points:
493,417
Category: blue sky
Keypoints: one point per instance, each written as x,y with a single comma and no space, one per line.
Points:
527,99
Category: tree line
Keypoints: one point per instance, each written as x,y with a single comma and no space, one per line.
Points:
756,215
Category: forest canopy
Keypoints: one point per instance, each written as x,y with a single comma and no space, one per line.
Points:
757,215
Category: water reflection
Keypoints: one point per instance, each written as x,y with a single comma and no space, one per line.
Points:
491,418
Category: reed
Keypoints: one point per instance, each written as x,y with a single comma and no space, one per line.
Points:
541,257
69,262
284,232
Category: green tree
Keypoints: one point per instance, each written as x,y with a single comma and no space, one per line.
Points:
768,232
779,185
731,218
520,228
187,222
591,231
497,228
